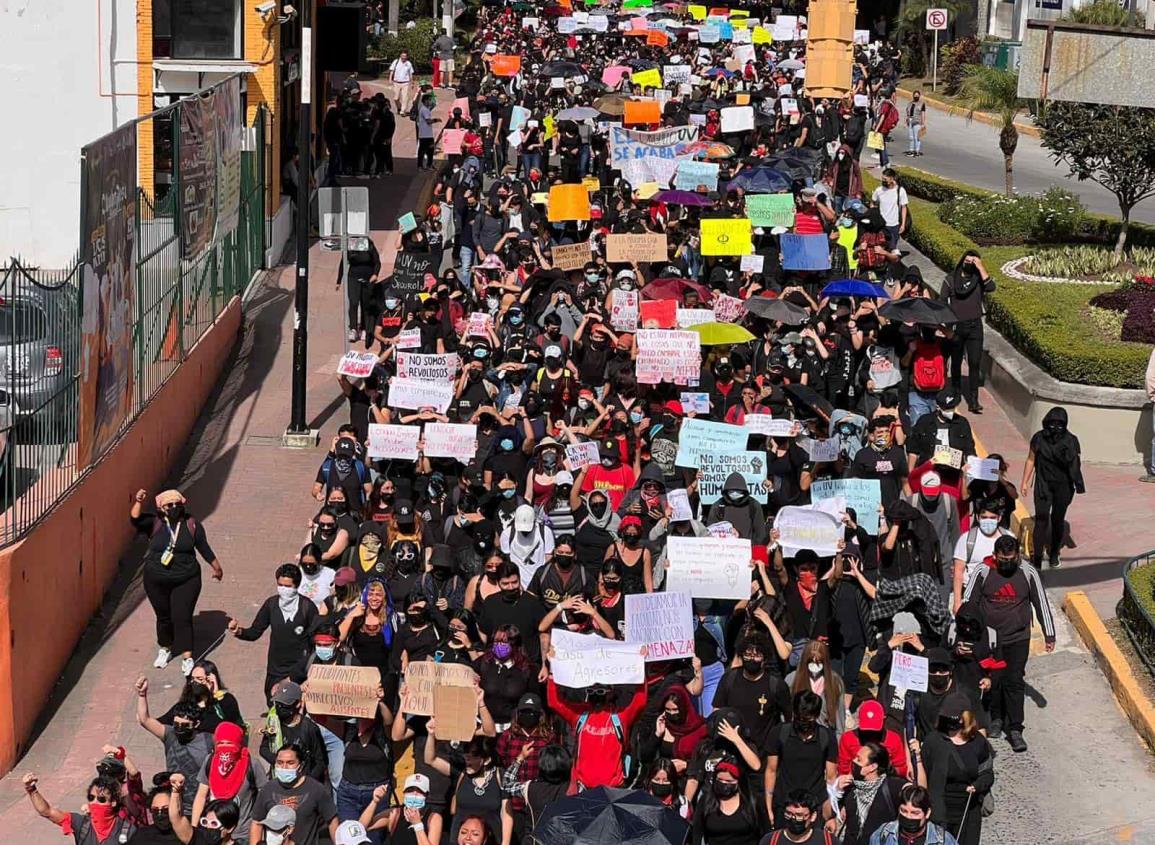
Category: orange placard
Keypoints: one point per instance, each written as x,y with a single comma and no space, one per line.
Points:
741,99
503,65
638,33
657,38
718,12
569,202
642,111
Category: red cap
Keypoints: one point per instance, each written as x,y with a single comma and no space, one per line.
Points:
345,575
728,767
675,408
631,521
871,716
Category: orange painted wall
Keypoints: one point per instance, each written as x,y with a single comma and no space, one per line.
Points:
53,581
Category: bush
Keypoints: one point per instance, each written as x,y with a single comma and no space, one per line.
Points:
418,42
1092,262
1136,302
1053,217
953,61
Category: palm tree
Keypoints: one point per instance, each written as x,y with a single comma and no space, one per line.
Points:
989,89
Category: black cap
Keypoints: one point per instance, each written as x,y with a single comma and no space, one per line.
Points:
938,657
530,701
947,398
345,448
954,705
403,511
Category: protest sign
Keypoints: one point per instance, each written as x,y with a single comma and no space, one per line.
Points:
581,455
675,74
761,35
485,120
649,156
659,313
679,502
393,441
771,426
728,309
862,36
571,256
738,119
624,310
565,26
862,494
455,709
568,202
945,456
518,117
909,671
697,13
751,263
822,451
612,75
805,252
770,209
656,38
642,112
662,622
415,394
410,268
342,691
984,469
692,174
451,141
789,106
503,65
582,660
599,23
479,324
695,403
808,528
423,676
715,467
427,367
408,339
696,436
709,567
529,23
407,222
671,356
687,317
451,440
709,34
726,236
639,248
357,364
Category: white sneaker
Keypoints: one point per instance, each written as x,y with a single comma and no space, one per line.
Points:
163,656
186,666
352,336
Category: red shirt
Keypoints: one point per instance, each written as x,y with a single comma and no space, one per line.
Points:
808,223
850,743
615,483
597,750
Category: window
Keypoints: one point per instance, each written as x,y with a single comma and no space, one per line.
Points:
198,29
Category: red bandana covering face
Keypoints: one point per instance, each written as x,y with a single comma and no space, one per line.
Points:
103,817
229,763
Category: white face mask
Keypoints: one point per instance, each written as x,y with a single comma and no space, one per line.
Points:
988,526
273,837
815,668
947,414
286,593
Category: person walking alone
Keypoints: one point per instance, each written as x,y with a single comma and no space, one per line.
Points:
915,124
1053,466
964,290
401,75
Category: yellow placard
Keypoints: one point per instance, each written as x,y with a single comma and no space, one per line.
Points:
739,13
550,127
651,78
647,190
698,13
739,23
569,202
761,35
726,236
591,183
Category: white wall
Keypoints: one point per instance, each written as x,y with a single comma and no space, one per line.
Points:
56,59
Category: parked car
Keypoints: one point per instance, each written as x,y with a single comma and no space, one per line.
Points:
39,349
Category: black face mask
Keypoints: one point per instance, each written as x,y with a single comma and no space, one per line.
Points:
211,837
661,790
948,724
797,826
805,729
511,595
416,617
631,539
184,734
751,666
939,683
310,568
285,712
856,771
723,789
909,825
528,718
564,562
162,822
1006,568
598,509
340,507
174,512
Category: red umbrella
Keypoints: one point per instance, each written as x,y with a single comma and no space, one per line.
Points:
675,287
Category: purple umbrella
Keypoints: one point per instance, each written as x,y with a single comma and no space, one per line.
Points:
682,198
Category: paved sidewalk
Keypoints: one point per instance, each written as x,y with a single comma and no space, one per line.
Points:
252,497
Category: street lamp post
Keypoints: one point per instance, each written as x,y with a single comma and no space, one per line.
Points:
297,423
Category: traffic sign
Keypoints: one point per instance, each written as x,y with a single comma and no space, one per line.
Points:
936,19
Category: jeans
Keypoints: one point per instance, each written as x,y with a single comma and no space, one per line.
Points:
848,665
335,750
352,799
919,404
915,145
711,677
1151,460
883,157
530,161
584,160
892,236
466,254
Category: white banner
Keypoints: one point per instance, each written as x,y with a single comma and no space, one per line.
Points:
715,467
394,441
624,310
582,660
414,394
771,426
649,156
909,671
581,455
709,567
451,440
808,528
665,355
357,364
663,623
694,316
411,365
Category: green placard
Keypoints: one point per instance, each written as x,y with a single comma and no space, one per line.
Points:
770,209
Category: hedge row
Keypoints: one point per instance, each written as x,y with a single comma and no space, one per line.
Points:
1046,322
1096,228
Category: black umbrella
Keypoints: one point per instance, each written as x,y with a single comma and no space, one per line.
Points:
776,309
918,309
604,815
805,398
565,69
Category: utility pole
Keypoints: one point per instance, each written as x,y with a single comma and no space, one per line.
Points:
298,432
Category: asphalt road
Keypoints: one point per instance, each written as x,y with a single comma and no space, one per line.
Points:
968,151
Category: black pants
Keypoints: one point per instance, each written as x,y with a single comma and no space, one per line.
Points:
968,341
1009,688
425,151
362,308
382,158
174,604
1051,505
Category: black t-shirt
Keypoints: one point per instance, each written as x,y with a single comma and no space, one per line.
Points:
152,836
801,763
739,828
474,396
526,614
817,837
763,703
888,467
312,801
186,539
368,764
515,463
418,644
552,586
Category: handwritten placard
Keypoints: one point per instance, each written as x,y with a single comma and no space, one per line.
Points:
571,256
416,394
390,442
357,364
663,623
581,455
909,671
697,436
808,528
769,426
624,310
423,676
862,494
627,249
983,469
709,567
451,440
427,367
947,456
695,403
582,660
409,339
342,691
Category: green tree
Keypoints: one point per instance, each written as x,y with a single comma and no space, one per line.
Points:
910,26
989,89
1113,146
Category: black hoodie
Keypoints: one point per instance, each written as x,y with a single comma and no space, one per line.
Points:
1057,451
963,290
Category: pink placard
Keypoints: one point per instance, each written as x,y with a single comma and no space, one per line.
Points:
451,140
613,75
463,104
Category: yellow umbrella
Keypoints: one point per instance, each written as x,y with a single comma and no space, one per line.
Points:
721,334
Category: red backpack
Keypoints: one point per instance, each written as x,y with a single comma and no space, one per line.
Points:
889,117
928,369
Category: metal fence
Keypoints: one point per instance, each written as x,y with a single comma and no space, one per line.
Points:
173,295
1132,612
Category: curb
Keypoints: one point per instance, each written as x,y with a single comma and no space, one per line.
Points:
981,117
1113,664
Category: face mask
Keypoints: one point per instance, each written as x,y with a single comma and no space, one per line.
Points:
856,771
805,729
635,417
611,587
210,837
631,539
947,414
286,593
661,790
391,304
515,320
584,404
549,459
502,651
162,822
273,837
285,712
415,802
939,683
815,668
310,569
285,775
474,375
511,595
735,496
808,580
184,733
598,508
988,526
416,616
909,825
506,445
880,443
325,652
752,665
508,492
1006,567
592,278
797,826
609,463
724,789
